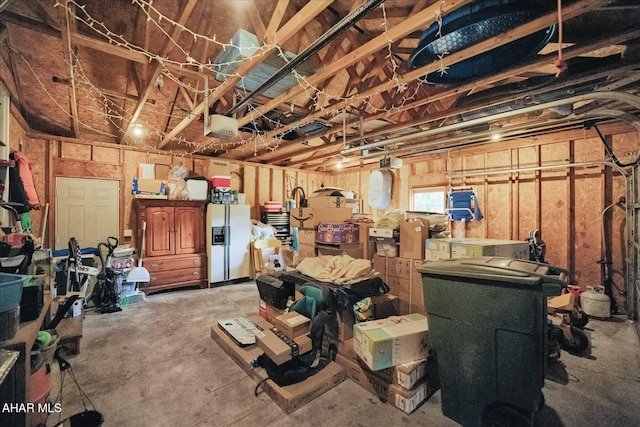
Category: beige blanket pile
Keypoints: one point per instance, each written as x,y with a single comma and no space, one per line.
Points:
339,269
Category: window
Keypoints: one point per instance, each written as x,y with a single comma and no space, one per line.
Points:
430,199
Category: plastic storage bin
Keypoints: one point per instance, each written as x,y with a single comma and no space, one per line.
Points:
488,332
10,291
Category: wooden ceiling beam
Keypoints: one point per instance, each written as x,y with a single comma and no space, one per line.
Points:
156,67
69,27
570,11
288,30
28,23
419,20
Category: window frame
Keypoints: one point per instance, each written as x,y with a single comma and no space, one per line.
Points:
436,189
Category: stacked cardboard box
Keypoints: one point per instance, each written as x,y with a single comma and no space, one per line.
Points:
150,181
469,248
405,386
307,221
404,279
289,398
392,341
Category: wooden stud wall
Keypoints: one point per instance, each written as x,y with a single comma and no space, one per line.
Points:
52,158
564,204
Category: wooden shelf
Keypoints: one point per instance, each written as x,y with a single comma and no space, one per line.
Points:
23,342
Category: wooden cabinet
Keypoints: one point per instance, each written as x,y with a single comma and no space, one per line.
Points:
174,250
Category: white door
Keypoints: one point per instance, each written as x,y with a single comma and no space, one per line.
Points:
87,209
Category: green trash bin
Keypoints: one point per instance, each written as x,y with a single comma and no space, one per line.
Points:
488,331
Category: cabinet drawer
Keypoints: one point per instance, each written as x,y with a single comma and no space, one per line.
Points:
176,276
174,263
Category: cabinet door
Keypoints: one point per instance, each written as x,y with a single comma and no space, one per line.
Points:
160,231
189,228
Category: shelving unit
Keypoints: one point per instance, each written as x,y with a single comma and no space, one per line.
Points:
22,342
281,222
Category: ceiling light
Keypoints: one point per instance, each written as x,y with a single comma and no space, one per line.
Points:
496,136
137,131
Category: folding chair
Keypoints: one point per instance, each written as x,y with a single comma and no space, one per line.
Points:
261,251
462,204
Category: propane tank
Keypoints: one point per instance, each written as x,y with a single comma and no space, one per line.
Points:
595,302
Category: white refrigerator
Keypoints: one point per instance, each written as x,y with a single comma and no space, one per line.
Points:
228,240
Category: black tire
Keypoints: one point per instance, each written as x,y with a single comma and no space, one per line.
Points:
579,321
578,342
506,416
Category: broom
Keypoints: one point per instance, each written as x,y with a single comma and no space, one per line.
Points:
137,274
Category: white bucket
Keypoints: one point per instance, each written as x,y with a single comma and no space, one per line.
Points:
595,302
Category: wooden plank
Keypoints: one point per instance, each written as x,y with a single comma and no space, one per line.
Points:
277,184
303,17
69,25
83,169
264,185
69,150
156,68
106,155
419,20
554,211
587,219
250,181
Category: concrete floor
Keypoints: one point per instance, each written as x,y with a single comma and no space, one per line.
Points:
156,364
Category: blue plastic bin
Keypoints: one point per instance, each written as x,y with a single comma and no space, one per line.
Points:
10,291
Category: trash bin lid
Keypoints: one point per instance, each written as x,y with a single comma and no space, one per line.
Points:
497,269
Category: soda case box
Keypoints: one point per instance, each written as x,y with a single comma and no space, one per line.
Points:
337,233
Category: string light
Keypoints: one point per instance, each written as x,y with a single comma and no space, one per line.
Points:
319,97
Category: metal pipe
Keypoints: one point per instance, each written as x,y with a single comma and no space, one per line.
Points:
540,168
633,100
344,24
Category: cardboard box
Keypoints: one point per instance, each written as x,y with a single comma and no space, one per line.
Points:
161,171
306,244
382,306
409,400
561,302
292,397
364,377
268,312
363,238
437,249
469,248
416,292
354,250
309,218
219,167
335,202
412,237
146,171
392,341
278,349
293,324
409,374
386,233
379,264
243,356
148,186
337,233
